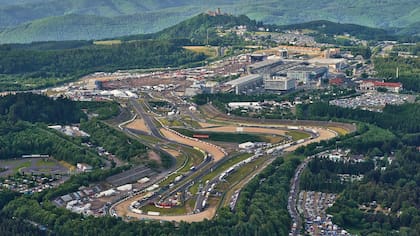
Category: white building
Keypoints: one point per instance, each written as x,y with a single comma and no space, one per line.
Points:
247,145
334,64
83,167
127,187
279,83
244,83
244,105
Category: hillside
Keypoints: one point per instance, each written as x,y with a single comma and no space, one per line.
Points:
87,27
413,29
332,28
25,21
197,27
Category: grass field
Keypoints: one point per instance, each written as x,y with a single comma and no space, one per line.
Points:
227,165
32,165
296,135
291,155
219,170
22,165
181,159
231,184
193,158
339,130
274,138
193,123
208,51
245,171
180,210
224,137
67,165
45,163
168,122
148,138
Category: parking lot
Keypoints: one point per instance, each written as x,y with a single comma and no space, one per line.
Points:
31,166
313,205
373,101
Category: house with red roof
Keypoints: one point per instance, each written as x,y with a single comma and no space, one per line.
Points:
371,85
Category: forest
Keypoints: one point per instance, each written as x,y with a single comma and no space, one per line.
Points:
23,128
113,141
403,119
36,108
196,28
392,195
77,61
39,64
384,202
409,70
322,174
104,110
329,28
38,139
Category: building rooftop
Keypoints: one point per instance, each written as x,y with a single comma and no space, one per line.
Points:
307,69
326,60
266,63
384,84
244,79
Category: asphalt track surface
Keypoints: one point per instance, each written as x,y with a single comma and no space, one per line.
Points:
210,211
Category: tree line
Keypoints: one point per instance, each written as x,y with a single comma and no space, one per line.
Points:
127,55
25,138
409,70
322,174
113,140
23,128
37,108
399,118
395,190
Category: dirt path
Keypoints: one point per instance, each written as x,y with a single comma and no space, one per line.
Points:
173,152
138,124
216,153
122,208
154,156
324,134
206,125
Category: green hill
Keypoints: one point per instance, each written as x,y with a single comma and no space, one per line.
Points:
332,28
37,20
197,27
87,27
413,29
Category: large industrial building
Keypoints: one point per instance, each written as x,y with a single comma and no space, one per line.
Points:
279,83
266,67
246,83
305,74
281,75
334,64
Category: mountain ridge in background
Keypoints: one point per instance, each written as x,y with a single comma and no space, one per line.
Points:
25,21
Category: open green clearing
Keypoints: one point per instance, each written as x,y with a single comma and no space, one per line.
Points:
22,165
178,210
224,137
45,163
296,135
